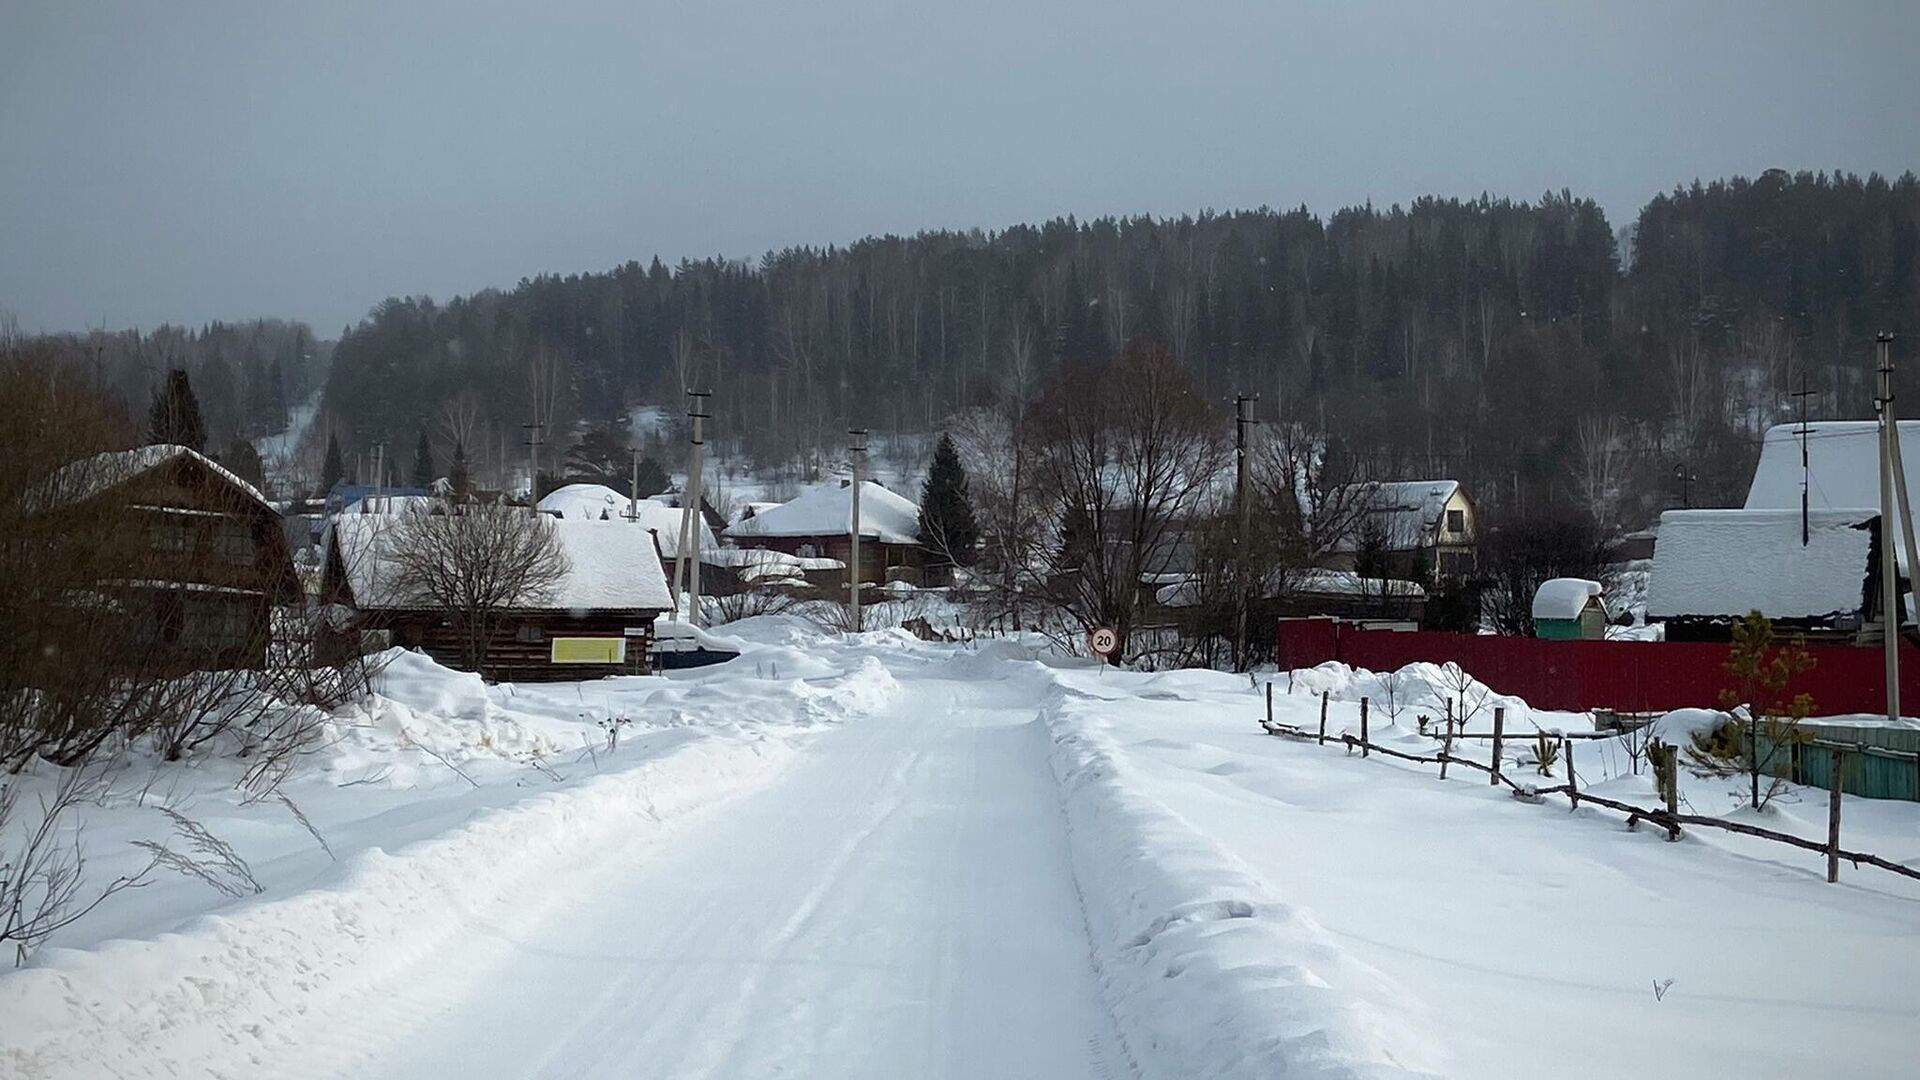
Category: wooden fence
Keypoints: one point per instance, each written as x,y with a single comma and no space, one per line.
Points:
1667,817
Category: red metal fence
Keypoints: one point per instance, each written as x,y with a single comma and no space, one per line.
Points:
1630,676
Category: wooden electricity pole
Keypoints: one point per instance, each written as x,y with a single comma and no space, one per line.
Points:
533,448
858,449
1243,544
1889,583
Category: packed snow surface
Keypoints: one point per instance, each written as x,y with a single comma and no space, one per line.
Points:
869,856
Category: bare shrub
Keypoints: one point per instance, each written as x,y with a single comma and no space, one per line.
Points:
476,566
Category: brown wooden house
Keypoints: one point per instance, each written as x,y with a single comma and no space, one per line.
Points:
817,526
597,622
200,561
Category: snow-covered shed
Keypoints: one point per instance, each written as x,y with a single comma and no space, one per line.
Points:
818,524
1714,566
1569,609
597,620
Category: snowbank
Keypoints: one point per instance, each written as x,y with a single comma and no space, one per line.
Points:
214,996
1207,974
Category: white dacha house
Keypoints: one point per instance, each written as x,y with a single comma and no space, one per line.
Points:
1425,528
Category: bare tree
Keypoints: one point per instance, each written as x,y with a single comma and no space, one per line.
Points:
1126,457
1600,466
477,566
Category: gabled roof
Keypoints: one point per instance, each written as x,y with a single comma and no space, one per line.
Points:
827,510
1406,511
612,565
81,480
1725,563
586,502
1843,467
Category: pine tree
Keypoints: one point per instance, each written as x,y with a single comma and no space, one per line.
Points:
175,415
947,527
457,476
334,469
422,475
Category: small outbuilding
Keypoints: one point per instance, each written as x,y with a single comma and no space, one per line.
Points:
1569,609
1819,580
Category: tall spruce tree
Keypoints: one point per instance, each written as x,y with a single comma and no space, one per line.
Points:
334,469
175,415
458,477
947,527
422,474
243,461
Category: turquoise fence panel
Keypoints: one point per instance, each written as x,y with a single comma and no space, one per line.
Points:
1881,763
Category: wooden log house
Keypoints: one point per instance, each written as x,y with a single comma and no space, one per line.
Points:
597,622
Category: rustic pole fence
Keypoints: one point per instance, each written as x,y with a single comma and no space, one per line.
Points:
1833,816
1667,816
1573,785
1499,731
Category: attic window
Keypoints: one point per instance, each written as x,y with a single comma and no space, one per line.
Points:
1456,521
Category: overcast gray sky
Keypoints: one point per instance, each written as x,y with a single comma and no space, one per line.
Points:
190,160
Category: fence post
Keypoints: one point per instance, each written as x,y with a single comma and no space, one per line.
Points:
1573,785
1323,717
1446,744
1363,727
1672,785
1269,704
1499,730
1833,815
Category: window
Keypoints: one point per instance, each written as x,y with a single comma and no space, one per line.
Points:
1456,521
808,551
171,536
233,543
532,635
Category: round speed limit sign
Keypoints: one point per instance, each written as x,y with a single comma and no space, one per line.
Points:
1102,640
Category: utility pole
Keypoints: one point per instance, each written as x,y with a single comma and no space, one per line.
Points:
533,487
1806,469
1243,545
633,488
687,556
1889,584
859,451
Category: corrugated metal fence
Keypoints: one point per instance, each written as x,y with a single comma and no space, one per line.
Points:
1628,676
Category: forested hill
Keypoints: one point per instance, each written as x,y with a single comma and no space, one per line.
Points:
1500,342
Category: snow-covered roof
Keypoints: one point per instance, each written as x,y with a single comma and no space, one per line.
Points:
611,565
586,502
80,480
759,558
1564,597
827,510
1843,467
1725,563
1309,583
394,504
1406,511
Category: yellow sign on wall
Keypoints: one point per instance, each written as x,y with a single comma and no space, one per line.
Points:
589,650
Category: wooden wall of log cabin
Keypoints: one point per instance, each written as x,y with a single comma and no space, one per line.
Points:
515,654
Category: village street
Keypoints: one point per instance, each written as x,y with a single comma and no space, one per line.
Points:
898,904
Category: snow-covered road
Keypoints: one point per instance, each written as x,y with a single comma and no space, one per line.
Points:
899,903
